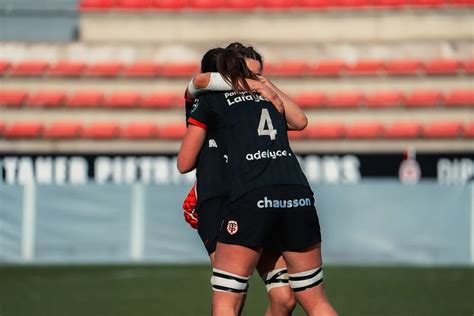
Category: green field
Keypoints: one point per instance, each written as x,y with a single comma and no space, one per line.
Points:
185,290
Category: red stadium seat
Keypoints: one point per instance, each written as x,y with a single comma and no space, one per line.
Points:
48,99
63,130
403,130
85,99
365,67
277,4
288,68
469,130
141,69
424,98
161,100
179,70
385,99
365,130
133,4
426,3
310,99
346,100
353,4
468,66
242,4
315,4
122,100
4,66
442,67
462,2
460,98
104,69
328,68
297,134
206,4
445,129
388,3
13,98
139,130
170,4
2,128
403,67
93,5
24,130
67,69
29,68
101,130
172,131
326,130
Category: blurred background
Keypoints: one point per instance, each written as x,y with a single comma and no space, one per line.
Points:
91,117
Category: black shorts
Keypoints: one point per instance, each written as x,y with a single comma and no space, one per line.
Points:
211,213
282,215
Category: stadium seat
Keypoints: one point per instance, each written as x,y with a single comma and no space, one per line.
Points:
297,134
48,99
2,128
29,68
365,130
141,69
277,4
326,130
161,100
310,99
93,5
462,2
365,67
444,129
424,99
172,131
67,69
352,4
133,4
63,130
328,68
179,70
345,100
385,99
85,99
13,98
442,67
468,67
206,4
24,130
101,130
287,68
402,130
426,3
469,130
104,69
4,66
170,4
139,130
122,100
460,98
314,4
242,4
403,67
382,4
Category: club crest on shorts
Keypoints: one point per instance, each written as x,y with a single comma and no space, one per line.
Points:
232,227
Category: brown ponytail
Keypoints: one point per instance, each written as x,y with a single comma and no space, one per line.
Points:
233,68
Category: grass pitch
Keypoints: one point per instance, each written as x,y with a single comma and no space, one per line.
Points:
137,290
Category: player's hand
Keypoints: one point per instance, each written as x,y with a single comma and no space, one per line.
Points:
268,93
189,208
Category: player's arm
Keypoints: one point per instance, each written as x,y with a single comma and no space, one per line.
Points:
190,147
295,117
213,81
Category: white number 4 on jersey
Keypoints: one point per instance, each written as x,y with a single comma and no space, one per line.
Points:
270,131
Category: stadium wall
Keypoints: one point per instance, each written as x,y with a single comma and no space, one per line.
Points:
423,224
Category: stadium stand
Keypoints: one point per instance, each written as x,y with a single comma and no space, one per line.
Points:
370,88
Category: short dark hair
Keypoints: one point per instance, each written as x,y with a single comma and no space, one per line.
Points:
209,60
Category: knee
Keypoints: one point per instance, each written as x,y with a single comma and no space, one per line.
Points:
282,298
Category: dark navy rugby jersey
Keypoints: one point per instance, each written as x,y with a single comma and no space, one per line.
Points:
211,169
255,137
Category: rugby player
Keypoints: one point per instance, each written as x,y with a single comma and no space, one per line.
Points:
270,197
